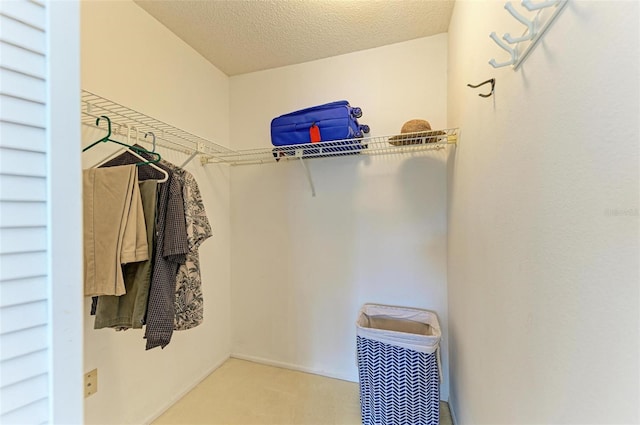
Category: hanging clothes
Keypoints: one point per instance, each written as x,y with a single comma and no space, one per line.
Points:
129,310
111,201
171,247
189,301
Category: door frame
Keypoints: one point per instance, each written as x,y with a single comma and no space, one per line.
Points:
64,174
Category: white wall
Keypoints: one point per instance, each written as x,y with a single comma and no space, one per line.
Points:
128,57
375,232
543,220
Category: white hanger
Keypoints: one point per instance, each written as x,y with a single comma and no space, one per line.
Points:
134,153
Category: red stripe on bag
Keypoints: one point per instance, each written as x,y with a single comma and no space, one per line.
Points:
314,132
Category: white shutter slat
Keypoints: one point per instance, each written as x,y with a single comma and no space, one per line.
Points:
24,284
20,85
21,137
17,240
24,367
21,60
22,291
25,11
20,188
19,34
23,214
23,112
22,343
23,316
22,393
18,266
20,163
33,413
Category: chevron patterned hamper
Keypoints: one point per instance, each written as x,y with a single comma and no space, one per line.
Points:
398,365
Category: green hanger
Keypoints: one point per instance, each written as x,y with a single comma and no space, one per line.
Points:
136,149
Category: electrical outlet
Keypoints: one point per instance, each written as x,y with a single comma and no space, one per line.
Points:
91,383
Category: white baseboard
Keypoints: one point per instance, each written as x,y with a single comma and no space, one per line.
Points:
184,392
291,366
298,368
267,362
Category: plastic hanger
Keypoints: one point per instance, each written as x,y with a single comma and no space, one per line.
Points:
133,150
154,140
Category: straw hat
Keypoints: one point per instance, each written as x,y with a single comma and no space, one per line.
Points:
418,129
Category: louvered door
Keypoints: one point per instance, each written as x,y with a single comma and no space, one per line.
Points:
24,361
26,325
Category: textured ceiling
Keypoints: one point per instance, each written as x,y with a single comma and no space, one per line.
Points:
240,36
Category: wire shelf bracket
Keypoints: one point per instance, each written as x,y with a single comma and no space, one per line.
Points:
309,178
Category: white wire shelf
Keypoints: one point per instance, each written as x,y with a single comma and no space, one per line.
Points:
124,119
379,145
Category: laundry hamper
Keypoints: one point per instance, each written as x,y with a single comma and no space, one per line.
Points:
398,365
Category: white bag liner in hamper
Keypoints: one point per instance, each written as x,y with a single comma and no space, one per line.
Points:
410,328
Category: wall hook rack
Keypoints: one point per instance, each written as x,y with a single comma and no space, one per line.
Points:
493,85
512,52
531,27
546,13
531,6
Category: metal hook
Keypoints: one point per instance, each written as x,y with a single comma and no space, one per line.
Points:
493,84
154,139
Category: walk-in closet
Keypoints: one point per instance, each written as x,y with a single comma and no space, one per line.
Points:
515,221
